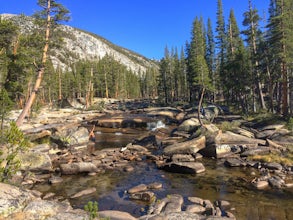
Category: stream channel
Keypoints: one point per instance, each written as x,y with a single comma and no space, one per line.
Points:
216,183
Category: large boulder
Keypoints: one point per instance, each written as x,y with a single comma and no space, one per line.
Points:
69,136
35,161
186,147
216,150
13,199
189,125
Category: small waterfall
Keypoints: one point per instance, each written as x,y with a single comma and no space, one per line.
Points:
155,125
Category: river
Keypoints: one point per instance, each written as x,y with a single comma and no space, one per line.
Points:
216,183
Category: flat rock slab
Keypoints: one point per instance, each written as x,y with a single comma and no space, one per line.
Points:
235,162
184,167
138,188
84,192
186,147
116,215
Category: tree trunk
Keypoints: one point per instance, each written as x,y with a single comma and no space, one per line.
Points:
200,105
59,85
40,71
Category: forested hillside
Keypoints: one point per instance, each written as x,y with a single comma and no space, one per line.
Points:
80,65
249,68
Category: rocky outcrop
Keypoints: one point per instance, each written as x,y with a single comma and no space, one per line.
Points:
16,203
81,45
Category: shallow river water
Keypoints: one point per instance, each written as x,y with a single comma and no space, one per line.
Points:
217,183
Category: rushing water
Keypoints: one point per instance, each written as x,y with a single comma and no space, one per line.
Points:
218,182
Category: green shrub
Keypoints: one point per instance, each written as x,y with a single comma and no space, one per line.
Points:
12,141
92,208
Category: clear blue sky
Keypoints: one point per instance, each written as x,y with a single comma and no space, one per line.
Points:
143,26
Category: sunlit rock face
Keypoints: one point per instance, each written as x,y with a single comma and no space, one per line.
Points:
81,45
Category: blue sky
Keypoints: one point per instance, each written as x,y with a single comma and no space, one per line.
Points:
143,26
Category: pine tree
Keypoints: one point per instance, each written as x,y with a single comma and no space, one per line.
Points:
53,13
253,35
280,41
221,43
210,55
197,66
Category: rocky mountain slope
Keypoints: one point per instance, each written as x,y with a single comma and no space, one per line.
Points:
82,45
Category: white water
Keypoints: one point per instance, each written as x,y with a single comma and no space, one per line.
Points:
155,125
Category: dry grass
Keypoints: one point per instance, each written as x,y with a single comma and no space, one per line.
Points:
286,159
228,126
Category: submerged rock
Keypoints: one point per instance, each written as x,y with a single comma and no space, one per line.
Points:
183,167
235,162
146,196
84,192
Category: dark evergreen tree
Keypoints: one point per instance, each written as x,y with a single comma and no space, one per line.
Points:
253,36
210,56
279,41
221,44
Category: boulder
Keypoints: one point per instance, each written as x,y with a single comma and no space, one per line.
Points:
146,196
195,208
138,188
231,138
273,166
182,158
75,168
155,185
148,141
116,215
261,184
80,136
84,192
189,125
216,150
235,162
256,151
276,182
35,161
39,135
186,147
196,200
13,199
46,208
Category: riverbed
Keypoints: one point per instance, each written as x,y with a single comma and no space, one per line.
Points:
216,183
